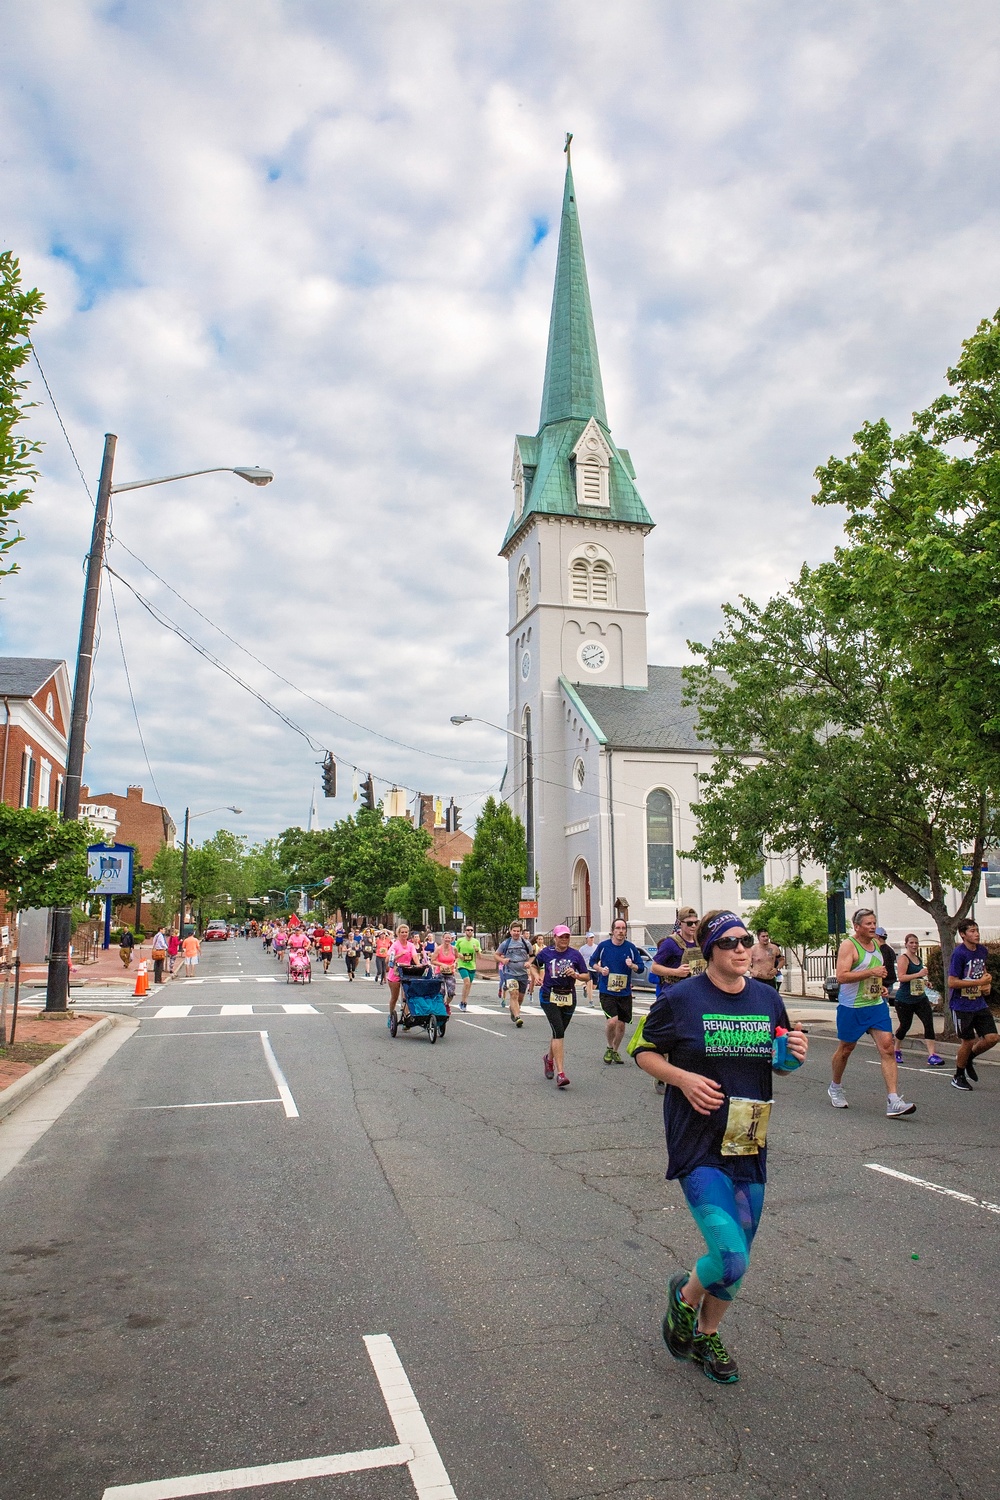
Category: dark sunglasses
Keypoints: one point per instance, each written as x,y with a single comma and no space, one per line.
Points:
746,941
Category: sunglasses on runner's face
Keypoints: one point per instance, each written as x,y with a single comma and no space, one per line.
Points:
728,944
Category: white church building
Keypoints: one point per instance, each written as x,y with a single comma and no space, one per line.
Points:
615,753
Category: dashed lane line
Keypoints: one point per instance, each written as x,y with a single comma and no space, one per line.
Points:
934,1187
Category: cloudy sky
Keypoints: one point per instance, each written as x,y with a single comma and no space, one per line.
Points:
318,236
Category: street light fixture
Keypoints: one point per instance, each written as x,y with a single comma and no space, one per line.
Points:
529,777
57,986
188,818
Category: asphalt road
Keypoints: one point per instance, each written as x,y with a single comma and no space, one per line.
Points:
198,1247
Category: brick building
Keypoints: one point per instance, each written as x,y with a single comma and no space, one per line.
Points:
448,849
145,825
37,704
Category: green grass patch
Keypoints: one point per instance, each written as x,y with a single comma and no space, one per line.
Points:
29,1052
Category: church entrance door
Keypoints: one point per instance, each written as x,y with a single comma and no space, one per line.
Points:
581,899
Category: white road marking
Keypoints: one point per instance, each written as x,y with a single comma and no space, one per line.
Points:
226,1480
266,979
358,1010
194,981
291,1110
934,1187
211,1104
502,1034
172,1012
229,981
300,1010
236,1010
944,1070
427,1470
169,1036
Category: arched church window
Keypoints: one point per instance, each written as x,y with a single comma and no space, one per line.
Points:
600,583
579,580
660,845
523,590
579,774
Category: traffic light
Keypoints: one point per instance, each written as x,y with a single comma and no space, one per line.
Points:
452,817
368,793
329,776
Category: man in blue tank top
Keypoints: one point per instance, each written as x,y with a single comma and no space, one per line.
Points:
862,976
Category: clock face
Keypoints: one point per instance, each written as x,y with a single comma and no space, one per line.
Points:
592,656
526,665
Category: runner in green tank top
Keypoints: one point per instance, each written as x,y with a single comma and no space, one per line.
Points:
862,1007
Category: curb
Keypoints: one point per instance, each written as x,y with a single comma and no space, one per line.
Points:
23,1088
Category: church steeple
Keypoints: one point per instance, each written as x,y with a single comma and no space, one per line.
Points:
572,385
572,466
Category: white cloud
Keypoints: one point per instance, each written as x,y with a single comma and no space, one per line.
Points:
302,236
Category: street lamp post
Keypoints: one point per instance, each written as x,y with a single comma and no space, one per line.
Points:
57,986
188,815
529,788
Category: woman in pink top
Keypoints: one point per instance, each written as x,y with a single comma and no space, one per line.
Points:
401,952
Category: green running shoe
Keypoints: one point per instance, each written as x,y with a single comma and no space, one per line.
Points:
679,1318
617,1057
714,1358
609,1056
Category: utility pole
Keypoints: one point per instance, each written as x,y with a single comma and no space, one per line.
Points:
57,986
184,874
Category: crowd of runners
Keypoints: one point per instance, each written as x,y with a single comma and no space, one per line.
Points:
715,1035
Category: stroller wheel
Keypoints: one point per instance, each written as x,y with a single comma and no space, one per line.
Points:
440,1026
393,1025
432,1030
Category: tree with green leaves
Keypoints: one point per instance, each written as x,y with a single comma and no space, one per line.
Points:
364,857
429,887
857,714
19,309
794,915
43,861
492,874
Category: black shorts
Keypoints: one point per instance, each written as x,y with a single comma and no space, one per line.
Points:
920,1008
559,1016
618,1007
521,980
973,1023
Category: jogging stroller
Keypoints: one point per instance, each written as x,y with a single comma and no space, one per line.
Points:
299,967
423,1002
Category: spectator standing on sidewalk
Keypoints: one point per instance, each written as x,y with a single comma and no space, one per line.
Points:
173,948
765,960
587,951
125,945
190,949
159,955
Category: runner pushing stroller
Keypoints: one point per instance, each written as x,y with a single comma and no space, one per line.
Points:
423,1002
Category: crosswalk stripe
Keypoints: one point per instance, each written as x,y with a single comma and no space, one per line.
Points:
172,1012
236,1010
300,1010
359,1010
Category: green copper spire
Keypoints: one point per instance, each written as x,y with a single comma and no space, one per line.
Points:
572,369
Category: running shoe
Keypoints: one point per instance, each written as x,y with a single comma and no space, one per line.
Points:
503,1002
659,1086
462,1005
896,1107
617,1057
970,1071
837,1096
562,1081
679,1318
961,1082
711,1353
519,1022
549,1066
934,1060
609,1055
899,1055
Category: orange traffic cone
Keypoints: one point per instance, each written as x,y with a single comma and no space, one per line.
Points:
141,980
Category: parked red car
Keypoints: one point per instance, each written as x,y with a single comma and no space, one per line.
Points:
216,932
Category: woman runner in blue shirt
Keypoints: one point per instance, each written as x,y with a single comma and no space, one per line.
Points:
714,1041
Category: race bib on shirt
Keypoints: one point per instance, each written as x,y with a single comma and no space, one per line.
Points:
872,990
616,983
746,1127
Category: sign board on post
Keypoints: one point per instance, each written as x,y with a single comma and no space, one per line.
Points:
109,867
527,910
527,893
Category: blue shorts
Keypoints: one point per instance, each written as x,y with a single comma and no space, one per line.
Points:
854,1021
